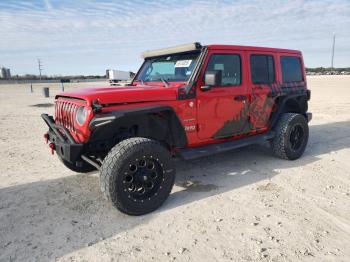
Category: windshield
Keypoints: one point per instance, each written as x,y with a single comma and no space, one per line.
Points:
172,68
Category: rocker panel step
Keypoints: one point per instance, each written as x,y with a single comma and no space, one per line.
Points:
192,153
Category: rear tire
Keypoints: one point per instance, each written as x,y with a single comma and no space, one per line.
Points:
292,134
84,168
137,175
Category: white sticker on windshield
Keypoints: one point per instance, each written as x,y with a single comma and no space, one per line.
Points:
183,63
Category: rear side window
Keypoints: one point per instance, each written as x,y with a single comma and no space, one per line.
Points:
230,65
291,69
262,69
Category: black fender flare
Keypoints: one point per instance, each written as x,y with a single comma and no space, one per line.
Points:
158,117
282,106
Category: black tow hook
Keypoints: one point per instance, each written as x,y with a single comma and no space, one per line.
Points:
53,147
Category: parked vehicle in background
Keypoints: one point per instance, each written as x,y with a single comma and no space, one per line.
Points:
117,76
187,101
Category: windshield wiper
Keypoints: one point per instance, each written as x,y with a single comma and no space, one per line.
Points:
166,83
141,81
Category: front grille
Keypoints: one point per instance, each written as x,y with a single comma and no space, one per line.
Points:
65,113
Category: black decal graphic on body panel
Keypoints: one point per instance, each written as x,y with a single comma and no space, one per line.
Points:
258,112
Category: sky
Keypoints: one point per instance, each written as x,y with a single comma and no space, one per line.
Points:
89,36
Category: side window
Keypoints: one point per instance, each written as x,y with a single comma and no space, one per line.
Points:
291,69
262,69
230,65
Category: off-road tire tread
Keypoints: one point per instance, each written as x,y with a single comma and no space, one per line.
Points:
115,160
278,144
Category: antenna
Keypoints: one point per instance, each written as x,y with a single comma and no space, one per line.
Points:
40,67
333,52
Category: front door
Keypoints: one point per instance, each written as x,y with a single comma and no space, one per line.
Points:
223,110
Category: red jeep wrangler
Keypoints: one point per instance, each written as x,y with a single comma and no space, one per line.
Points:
187,101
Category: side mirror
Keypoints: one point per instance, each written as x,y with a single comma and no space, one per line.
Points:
212,78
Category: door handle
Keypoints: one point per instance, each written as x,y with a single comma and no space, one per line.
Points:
240,98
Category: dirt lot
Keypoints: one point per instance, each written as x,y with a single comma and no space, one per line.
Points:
245,205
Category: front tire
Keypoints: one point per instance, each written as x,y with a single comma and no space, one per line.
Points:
137,175
292,134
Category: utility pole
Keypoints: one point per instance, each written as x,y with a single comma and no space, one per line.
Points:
40,67
333,52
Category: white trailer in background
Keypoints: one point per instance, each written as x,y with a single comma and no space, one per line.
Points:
117,77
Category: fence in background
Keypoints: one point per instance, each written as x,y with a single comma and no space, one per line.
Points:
13,81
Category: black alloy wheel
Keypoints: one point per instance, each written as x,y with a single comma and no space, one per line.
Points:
292,135
137,175
143,178
296,137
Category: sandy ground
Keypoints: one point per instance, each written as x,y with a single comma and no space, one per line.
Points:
245,205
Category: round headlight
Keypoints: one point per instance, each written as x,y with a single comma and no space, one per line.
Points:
81,115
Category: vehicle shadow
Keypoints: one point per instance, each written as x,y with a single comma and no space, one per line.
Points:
48,219
223,172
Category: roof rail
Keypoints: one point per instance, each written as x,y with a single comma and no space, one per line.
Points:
172,50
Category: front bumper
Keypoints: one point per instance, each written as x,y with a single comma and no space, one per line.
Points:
64,144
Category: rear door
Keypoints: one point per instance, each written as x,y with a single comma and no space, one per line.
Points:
262,66
222,110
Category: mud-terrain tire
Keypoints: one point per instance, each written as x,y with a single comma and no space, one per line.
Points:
292,134
137,175
84,168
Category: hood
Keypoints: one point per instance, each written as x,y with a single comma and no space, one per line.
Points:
112,95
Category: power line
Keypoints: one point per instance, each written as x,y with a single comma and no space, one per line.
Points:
40,67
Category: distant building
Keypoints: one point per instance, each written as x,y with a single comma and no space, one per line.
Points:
8,73
5,73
